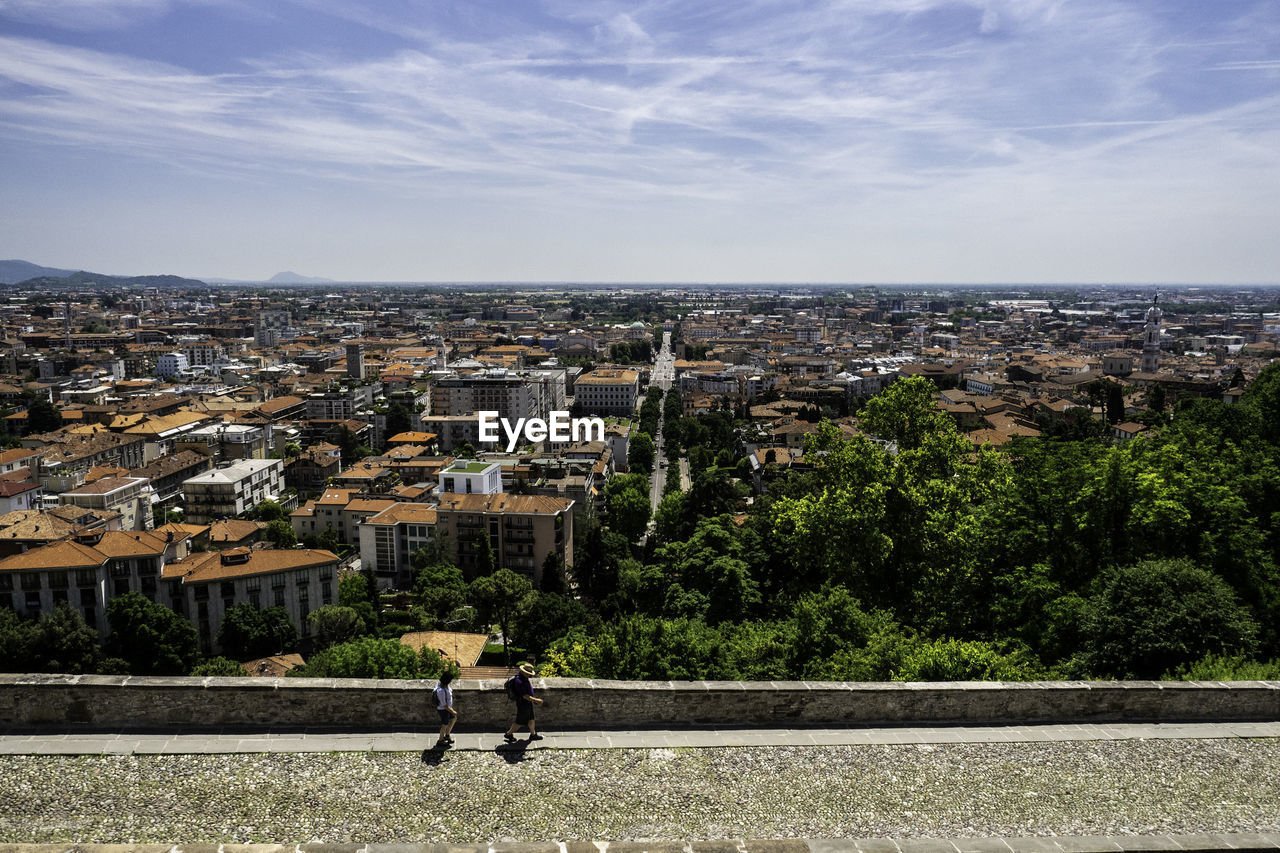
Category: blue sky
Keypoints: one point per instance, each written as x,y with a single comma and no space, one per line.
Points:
568,140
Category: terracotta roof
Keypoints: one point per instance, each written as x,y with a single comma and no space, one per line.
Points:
504,502
182,531
462,649
336,497
106,485
131,543
233,530
34,525
405,512
56,555
208,566
17,454
275,666
371,505
9,489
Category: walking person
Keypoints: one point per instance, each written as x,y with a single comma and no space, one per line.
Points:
522,687
444,706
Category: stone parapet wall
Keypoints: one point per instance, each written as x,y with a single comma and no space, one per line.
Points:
137,703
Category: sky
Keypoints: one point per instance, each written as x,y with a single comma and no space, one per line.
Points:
893,141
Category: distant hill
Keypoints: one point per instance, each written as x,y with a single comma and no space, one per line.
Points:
93,279
288,277
12,272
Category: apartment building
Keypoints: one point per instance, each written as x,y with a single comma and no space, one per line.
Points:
129,496
522,530
85,573
232,489
509,394
388,540
204,586
608,392
339,510
466,476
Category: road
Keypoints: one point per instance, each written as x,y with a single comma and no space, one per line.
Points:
664,374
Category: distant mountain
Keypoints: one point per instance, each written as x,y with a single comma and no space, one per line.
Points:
288,277
12,272
93,279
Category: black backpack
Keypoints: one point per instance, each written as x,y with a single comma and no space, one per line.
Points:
510,687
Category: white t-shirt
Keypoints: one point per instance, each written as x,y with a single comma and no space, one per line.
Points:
444,698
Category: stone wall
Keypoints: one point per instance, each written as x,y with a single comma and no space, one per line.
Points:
136,703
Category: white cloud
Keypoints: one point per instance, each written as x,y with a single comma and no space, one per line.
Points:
83,14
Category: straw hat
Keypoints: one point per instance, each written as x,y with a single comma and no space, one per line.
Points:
526,668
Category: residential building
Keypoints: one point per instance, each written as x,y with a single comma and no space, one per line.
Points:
607,392
522,530
466,476
204,586
85,573
388,540
233,489
172,364
129,496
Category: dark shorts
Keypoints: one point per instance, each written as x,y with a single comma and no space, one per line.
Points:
524,712
446,716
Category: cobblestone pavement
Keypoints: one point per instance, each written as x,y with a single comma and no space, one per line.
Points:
976,791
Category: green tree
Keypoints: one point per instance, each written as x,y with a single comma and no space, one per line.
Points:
641,453
440,588
1159,615
355,591
218,666
627,505
42,416
333,624
484,555
372,658
1115,404
906,412
269,511
150,637
499,597
399,418
280,533
545,618
247,633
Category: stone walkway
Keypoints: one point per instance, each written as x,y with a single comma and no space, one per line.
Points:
178,743
1055,844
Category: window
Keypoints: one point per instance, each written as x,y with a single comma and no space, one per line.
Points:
120,568
59,580
6,581
228,589
279,596
326,593
90,613
31,580
59,597
149,588
120,586
202,593
86,577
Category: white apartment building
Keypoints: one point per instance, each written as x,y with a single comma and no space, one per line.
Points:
467,477
171,364
231,490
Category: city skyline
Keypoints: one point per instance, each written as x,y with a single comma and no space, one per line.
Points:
895,141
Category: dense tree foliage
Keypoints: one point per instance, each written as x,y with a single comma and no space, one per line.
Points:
149,637
247,633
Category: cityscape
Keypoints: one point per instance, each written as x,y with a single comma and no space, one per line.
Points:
645,427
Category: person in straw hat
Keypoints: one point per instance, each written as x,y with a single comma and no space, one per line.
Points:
525,701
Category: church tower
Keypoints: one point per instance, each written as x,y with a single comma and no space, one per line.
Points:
1151,338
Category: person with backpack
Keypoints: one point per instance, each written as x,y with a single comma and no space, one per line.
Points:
443,695
520,689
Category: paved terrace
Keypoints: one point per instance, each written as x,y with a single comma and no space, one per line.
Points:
1086,787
